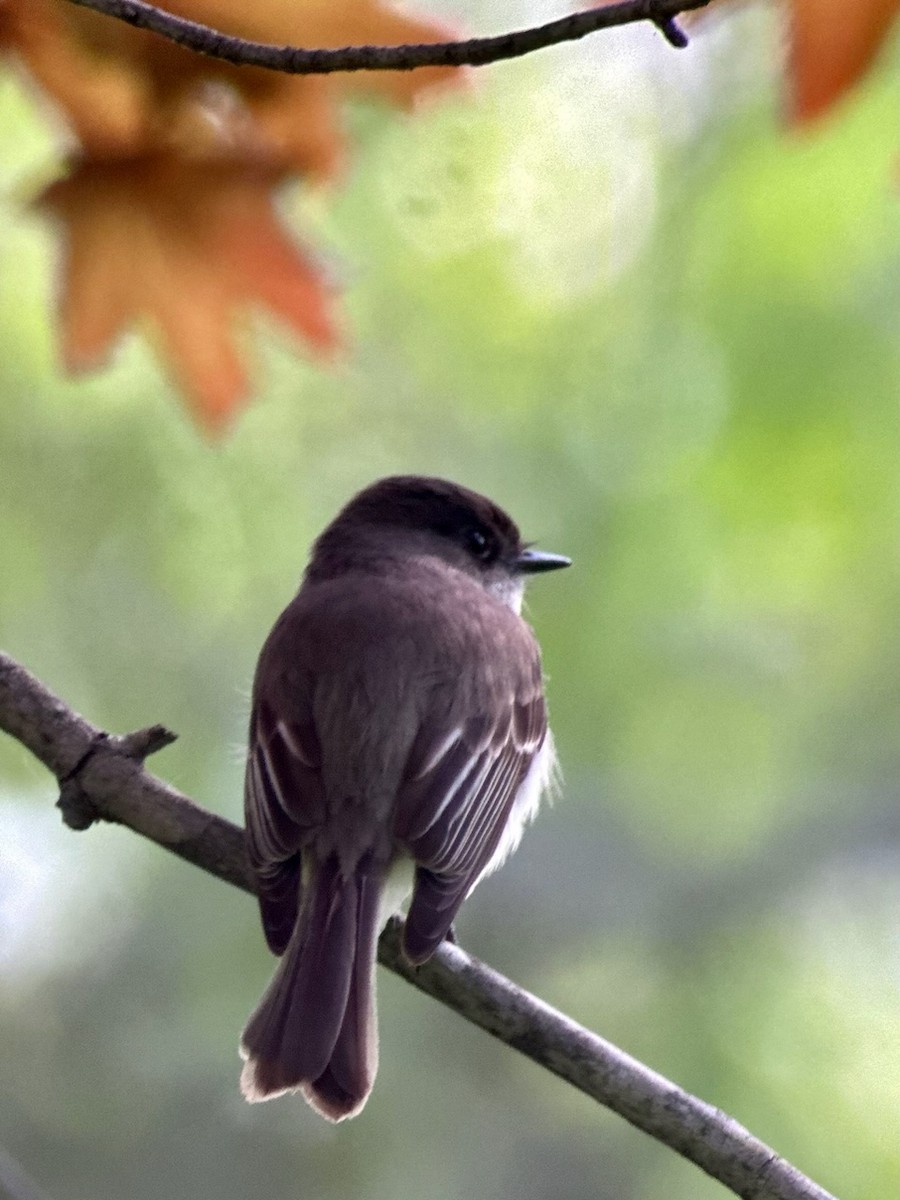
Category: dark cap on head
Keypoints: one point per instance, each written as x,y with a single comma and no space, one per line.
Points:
426,504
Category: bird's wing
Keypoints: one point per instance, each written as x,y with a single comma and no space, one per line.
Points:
456,800
283,800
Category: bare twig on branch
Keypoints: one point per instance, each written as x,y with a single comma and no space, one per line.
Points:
474,52
102,777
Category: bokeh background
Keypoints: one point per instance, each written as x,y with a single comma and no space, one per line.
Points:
607,288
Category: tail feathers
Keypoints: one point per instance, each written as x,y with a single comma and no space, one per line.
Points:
314,1030
343,1087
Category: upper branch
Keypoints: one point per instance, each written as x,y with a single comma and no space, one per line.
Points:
474,52
102,777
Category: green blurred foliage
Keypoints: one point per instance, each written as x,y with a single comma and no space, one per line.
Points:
608,290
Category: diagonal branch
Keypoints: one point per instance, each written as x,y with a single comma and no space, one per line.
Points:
475,52
102,777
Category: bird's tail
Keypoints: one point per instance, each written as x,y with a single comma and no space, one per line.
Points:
314,1029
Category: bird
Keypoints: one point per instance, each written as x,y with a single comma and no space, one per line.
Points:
398,746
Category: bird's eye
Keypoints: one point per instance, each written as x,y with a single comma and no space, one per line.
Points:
478,543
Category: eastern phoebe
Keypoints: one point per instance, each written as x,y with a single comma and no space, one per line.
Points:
398,743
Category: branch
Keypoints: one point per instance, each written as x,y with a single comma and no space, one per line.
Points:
102,777
476,52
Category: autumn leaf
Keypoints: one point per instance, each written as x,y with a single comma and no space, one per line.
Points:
167,216
832,44
187,248
126,92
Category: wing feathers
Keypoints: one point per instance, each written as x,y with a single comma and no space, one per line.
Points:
283,800
453,812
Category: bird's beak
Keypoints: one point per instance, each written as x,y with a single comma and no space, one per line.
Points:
532,562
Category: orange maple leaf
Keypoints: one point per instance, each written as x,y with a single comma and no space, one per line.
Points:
127,92
168,213
188,247
832,43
